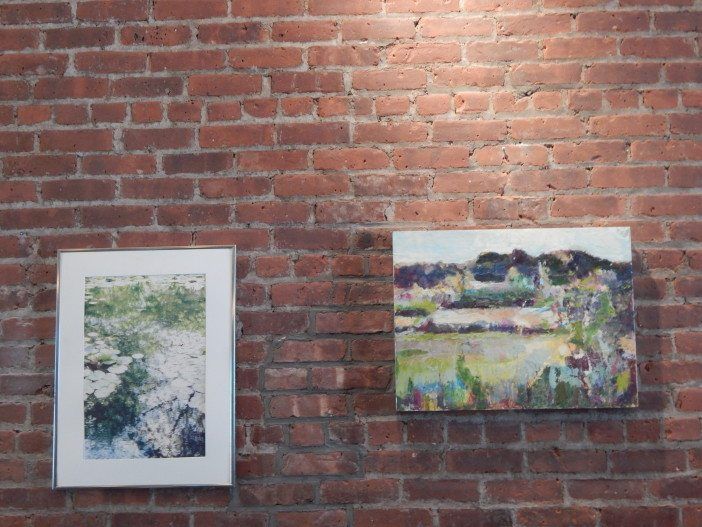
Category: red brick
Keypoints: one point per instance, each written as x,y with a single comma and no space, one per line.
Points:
17,191
117,10
391,79
519,491
431,157
615,21
109,112
421,53
27,328
358,322
304,351
546,128
628,125
16,141
307,405
307,434
35,12
622,73
304,31
350,211
483,461
421,6
147,112
313,133
347,378
639,516
670,150
78,190
115,215
545,73
496,208
692,516
154,35
558,517
110,61
189,111
297,106
377,29
627,177
341,7
187,60
272,212
350,159
49,245
667,205
70,114
315,518
390,185
483,130
311,184
431,211
278,57
236,135
146,86
158,138
271,160
248,8
183,9
222,519
225,187
635,461
223,84
359,491
567,461
13,90
18,39
307,81
161,188
285,379
661,47
581,47
32,64
524,24
193,214
432,27
683,429
466,102
587,205
161,519
482,76
119,164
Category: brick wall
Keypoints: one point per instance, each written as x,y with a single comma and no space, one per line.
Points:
305,131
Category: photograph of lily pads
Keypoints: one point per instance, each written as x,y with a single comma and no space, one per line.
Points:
514,319
144,366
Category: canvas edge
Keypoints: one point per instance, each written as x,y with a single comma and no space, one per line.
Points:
232,372
635,402
395,236
231,353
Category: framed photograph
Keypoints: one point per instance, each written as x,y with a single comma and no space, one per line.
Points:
501,319
144,388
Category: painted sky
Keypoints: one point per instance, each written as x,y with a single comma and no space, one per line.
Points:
612,243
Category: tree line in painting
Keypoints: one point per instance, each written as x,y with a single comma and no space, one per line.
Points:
515,331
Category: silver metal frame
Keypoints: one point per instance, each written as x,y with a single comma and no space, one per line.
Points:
232,355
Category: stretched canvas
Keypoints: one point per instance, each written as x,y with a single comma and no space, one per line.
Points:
144,391
514,319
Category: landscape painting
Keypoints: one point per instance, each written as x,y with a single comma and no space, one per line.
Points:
144,366
514,319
